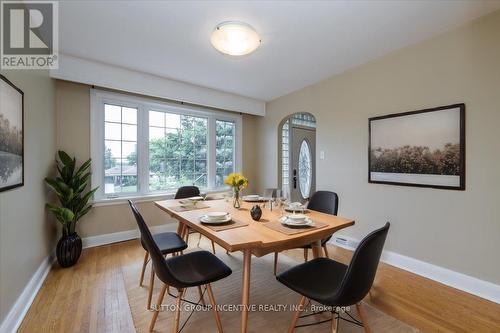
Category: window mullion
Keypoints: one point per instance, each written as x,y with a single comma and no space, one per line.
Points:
143,150
211,142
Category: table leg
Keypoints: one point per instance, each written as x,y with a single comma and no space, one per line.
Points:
316,249
180,228
245,298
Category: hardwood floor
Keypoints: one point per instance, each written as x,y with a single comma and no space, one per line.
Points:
88,297
92,297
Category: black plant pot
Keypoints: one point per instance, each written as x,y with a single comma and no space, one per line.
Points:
68,250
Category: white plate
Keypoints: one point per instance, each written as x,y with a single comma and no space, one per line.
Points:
205,219
297,218
295,208
252,198
286,221
196,199
216,215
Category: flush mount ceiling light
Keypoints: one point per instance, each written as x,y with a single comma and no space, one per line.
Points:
235,38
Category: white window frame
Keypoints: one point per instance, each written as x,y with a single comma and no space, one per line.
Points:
98,98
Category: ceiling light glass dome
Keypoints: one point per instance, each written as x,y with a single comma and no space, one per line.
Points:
235,38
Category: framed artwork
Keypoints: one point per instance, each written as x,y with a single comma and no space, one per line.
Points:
11,135
424,148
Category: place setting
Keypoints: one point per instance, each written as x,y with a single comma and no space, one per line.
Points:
295,223
253,198
219,221
294,207
191,203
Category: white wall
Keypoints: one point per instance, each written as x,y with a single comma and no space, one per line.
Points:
27,234
452,229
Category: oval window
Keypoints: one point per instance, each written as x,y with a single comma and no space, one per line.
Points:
305,169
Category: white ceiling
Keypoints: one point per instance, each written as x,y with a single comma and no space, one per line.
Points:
302,41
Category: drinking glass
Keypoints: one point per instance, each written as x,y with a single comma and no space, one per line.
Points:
281,205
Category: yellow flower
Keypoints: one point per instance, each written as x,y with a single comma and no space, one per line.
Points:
236,180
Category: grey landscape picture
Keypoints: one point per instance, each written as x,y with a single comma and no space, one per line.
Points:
11,136
420,148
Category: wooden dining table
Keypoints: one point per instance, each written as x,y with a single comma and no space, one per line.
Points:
255,238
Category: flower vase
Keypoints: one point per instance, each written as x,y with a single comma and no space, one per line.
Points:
236,197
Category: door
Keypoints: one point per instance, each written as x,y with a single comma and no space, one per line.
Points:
302,163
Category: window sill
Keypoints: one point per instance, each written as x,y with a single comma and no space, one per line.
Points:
145,198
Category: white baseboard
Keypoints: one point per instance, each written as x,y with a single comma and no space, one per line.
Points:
121,236
16,314
469,284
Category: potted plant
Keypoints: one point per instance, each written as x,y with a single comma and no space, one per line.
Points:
237,182
70,187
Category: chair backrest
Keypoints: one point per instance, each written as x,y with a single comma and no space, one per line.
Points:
159,264
360,274
187,192
324,201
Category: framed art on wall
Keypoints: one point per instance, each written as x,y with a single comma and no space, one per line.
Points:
424,148
11,135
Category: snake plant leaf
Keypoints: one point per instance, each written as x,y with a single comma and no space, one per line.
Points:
85,178
88,195
64,157
81,187
84,167
54,185
63,215
84,211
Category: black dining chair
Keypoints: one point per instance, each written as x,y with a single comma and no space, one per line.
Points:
334,284
322,201
184,192
195,269
168,243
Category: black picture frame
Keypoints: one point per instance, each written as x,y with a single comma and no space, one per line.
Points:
461,159
4,163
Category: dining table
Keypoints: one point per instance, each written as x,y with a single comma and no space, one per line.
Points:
252,238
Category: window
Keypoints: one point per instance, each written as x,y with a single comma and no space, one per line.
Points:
224,150
141,147
285,163
120,152
305,166
177,151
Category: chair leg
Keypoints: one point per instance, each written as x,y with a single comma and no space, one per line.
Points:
199,240
214,308
213,246
144,264
201,295
168,287
335,322
276,254
362,314
151,286
306,254
158,307
326,251
296,315
177,315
